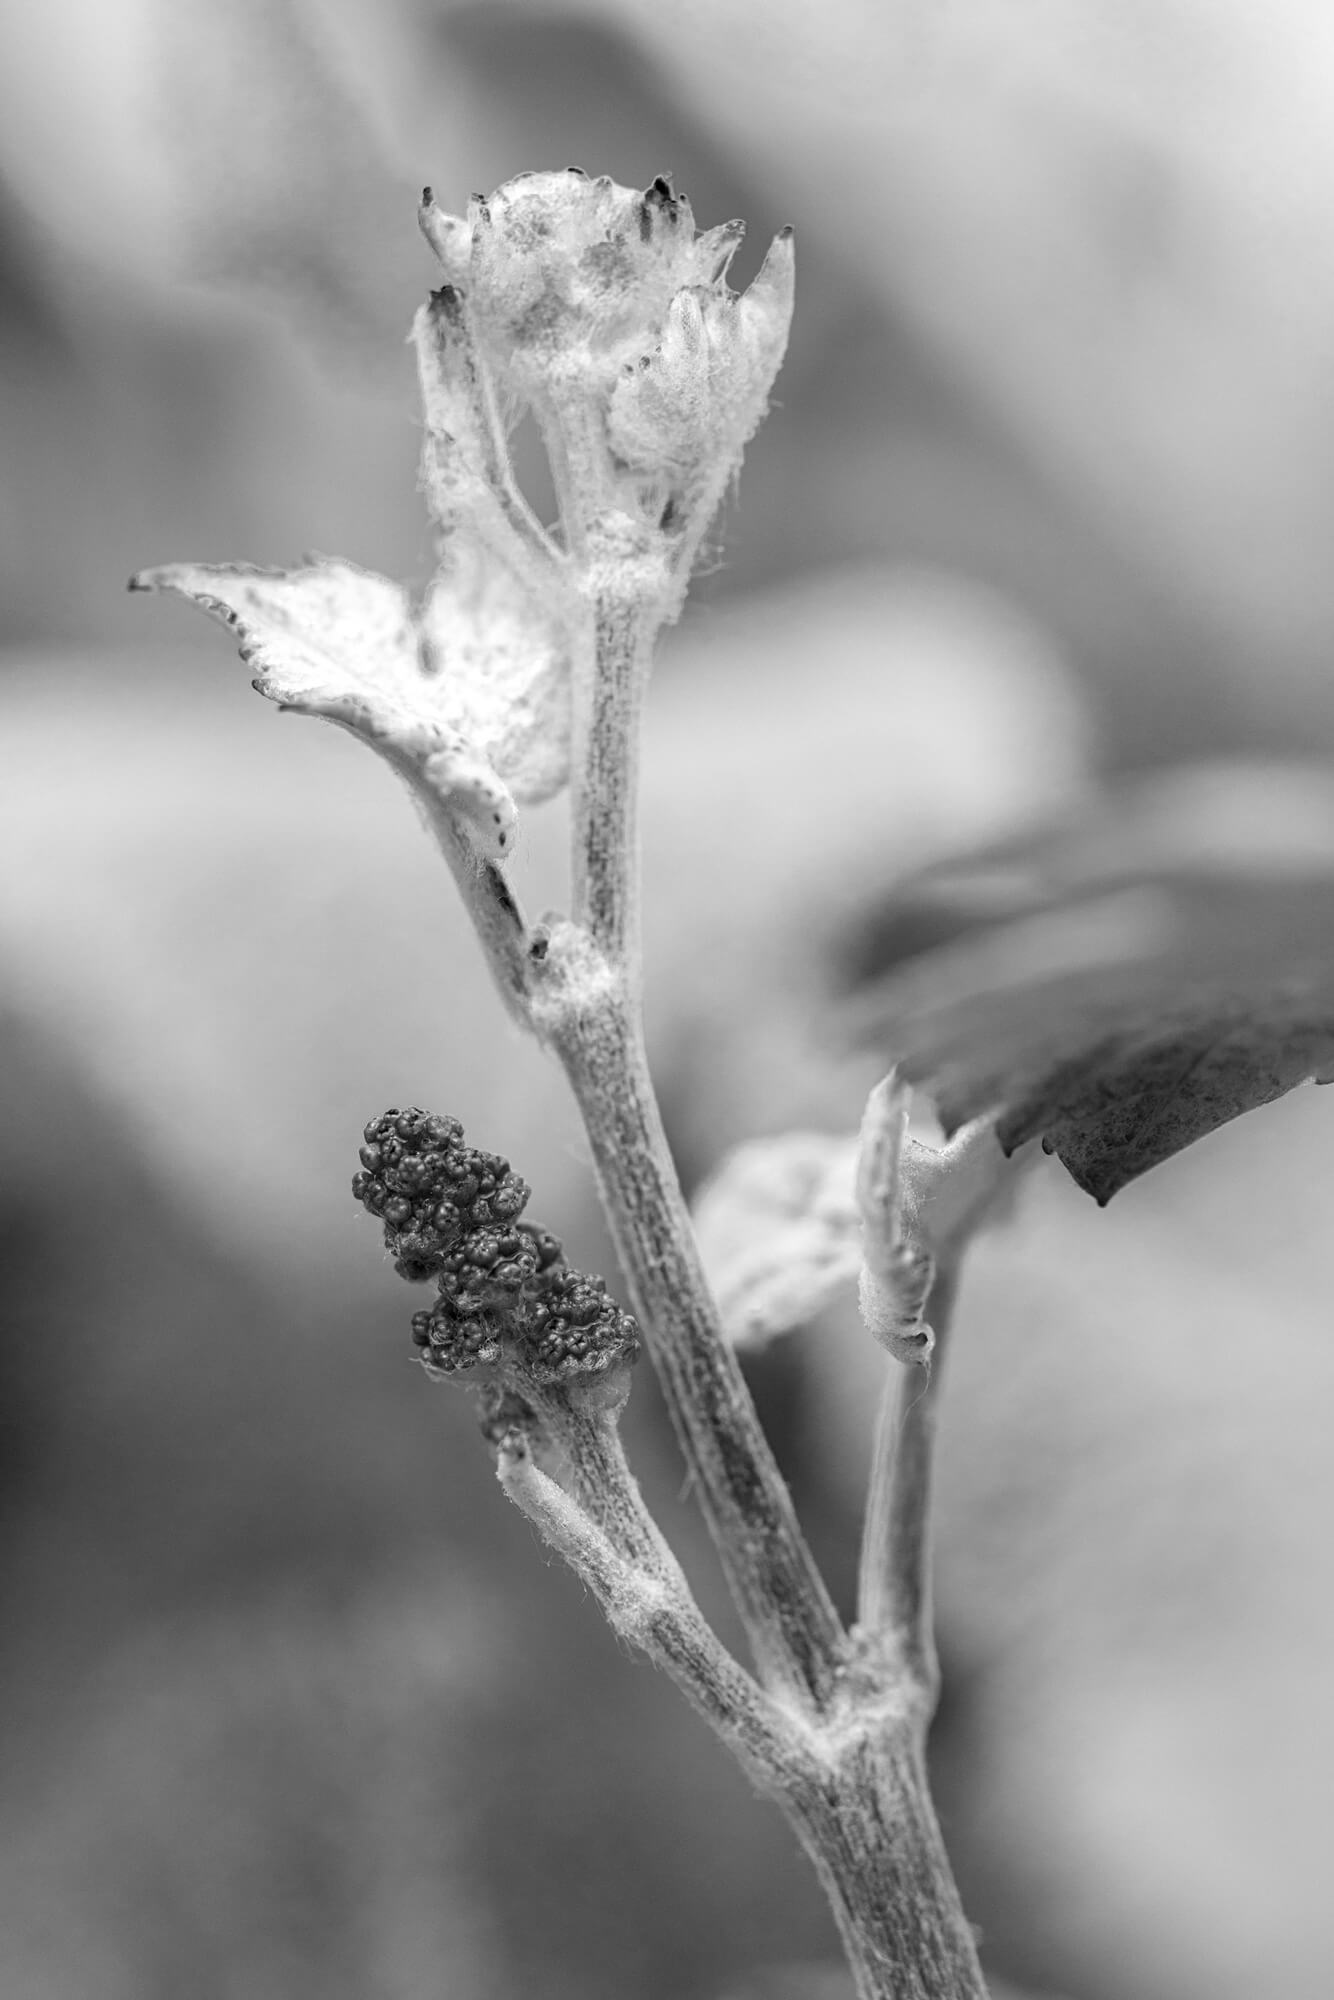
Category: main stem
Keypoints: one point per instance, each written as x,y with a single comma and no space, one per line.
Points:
873,1837
861,1805
588,1005
791,1622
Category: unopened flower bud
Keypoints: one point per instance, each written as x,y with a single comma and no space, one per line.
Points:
566,275
448,236
684,412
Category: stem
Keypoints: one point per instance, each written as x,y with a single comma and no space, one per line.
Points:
657,1613
604,1485
574,436
873,1837
586,1002
780,1594
489,900
894,1581
605,834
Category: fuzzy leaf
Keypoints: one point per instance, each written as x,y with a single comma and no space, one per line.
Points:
780,1232
700,393
466,695
1126,984
787,1224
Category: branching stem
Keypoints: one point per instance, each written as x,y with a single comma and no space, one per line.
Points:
791,1623
656,1613
604,1484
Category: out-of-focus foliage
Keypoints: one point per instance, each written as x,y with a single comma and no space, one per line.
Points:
1126,983
779,1232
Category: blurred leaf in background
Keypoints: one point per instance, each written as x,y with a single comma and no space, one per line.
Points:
1124,983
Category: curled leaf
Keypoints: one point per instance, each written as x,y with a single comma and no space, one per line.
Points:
919,1205
788,1224
466,694
682,413
1125,984
898,1268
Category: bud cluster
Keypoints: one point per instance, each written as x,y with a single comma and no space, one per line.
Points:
437,1197
607,313
506,1300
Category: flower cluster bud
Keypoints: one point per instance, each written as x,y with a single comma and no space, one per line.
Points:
444,1204
606,312
508,1306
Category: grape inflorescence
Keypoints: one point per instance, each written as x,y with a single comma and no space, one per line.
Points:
505,1295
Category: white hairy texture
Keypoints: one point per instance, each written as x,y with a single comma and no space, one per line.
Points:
898,1267
468,693
566,275
700,394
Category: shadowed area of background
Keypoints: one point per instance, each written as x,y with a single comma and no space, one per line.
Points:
293,1703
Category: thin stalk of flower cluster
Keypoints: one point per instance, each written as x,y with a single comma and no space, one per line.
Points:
606,1488
894,1582
652,1608
572,434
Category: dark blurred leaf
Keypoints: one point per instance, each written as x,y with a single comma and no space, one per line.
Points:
1123,984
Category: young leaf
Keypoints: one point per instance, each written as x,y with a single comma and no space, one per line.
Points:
1124,985
787,1224
466,694
780,1232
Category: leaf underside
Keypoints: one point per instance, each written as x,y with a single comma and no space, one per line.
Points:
1129,1108
1125,987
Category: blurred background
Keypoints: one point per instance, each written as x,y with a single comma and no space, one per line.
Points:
292,1703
